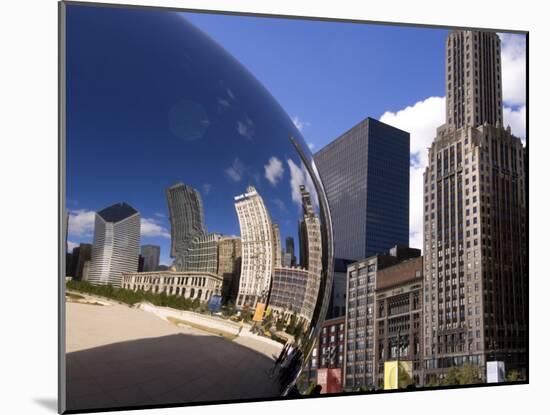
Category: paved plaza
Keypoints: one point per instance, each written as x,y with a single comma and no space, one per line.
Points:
122,356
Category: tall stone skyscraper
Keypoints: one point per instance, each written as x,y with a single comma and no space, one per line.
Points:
365,173
257,248
186,219
116,244
475,248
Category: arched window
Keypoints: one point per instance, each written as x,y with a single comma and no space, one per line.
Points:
191,295
199,294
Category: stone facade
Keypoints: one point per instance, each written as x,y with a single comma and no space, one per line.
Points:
200,286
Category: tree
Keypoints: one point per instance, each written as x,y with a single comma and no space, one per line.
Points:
514,376
465,375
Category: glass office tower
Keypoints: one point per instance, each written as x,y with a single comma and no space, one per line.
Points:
365,172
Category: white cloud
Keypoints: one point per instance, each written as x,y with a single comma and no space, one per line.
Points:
206,188
280,204
274,170
223,102
516,119
152,227
81,222
513,56
300,125
246,128
299,176
421,121
236,171
160,215
71,245
311,145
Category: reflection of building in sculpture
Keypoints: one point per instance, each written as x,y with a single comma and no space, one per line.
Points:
289,249
151,257
116,244
359,370
310,239
201,255
475,225
277,251
257,248
398,330
186,218
81,254
192,285
229,266
288,291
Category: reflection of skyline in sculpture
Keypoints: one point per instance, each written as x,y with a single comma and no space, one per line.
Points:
116,244
257,248
312,252
186,219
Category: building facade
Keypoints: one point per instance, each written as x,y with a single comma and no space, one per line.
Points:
229,266
192,285
475,247
290,250
277,249
151,257
359,368
257,248
186,219
337,304
398,329
116,244
288,291
80,255
311,234
365,173
201,255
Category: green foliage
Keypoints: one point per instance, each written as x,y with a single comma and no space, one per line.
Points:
514,376
133,297
280,325
310,388
291,328
432,382
464,375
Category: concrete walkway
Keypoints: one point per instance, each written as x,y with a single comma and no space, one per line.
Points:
121,356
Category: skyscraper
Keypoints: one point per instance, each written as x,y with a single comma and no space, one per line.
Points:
365,173
277,251
475,248
201,255
116,244
229,266
289,249
81,254
151,257
312,246
186,218
257,248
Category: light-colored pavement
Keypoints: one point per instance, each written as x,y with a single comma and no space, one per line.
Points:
121,356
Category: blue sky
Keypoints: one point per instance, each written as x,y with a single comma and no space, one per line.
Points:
327,76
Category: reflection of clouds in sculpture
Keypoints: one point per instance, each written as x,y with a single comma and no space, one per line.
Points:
274,170
299,176
188,120
246,128
236,171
